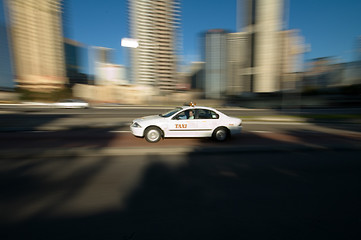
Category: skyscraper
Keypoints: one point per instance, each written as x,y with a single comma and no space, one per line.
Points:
215,63
237,60
263,22
6,74
75,61
37,44
154,23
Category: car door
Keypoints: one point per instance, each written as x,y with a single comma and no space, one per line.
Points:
181,126
207,121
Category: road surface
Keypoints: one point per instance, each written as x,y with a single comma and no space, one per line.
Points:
277,180
249,195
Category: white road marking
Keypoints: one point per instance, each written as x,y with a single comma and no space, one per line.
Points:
261,131
274,123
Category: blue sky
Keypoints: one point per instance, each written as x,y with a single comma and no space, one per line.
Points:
330,27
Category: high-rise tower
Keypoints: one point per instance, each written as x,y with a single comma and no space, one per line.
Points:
215,63
263,21
6,73
155,24
37,44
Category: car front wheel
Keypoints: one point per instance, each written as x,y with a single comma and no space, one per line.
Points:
153,134
220,134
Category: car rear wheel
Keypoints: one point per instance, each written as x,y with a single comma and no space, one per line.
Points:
153,134
220,134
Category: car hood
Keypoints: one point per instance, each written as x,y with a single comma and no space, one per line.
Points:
148,118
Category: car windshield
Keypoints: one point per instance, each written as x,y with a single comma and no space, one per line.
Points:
170,113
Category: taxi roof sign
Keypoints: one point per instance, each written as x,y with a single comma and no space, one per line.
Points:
191,104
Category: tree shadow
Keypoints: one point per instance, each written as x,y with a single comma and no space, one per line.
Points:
200,195
53,119
51,129
207,194
248,196
14,122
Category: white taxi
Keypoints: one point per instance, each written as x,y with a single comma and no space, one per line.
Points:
187,121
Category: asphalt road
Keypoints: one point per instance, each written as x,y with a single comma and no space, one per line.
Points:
136,111
255,135
251,195
44,118
66,129
277,180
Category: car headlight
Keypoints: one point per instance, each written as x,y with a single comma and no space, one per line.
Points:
136,125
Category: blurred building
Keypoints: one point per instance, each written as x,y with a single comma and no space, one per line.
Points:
326,72
237,60
264,20
261,59
75,62
196,73
286,62
352,73
6,73
154,24
110,74
358,58
292,48
106,72
37,44
103,54
319,73
215,55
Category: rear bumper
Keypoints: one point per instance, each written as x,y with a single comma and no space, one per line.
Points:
235,130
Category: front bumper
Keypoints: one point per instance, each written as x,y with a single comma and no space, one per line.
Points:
137,131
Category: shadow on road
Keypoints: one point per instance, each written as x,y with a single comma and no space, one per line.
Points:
23,121
251,195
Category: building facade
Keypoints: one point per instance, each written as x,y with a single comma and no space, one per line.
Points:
37,44
155,24
292,48
263,22
75,61
6,73
237,59
106,72
215,55
196,74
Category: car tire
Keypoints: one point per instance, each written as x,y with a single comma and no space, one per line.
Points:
153,134
220,134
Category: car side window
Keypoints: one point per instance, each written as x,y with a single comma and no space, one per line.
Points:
180,116
206,114
214,115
